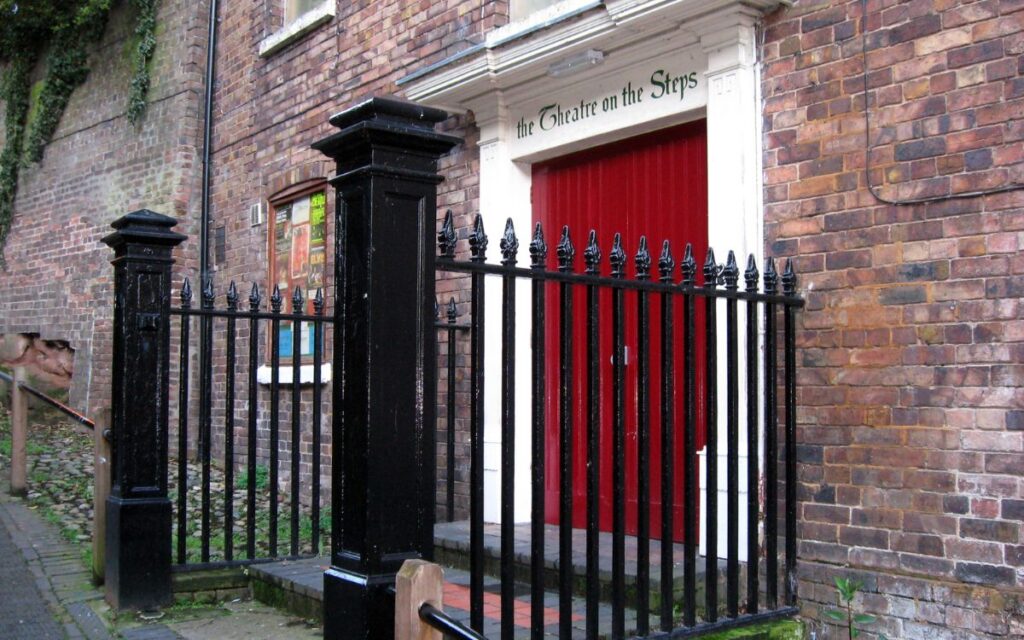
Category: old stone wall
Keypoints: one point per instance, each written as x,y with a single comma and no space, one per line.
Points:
911,416
58,281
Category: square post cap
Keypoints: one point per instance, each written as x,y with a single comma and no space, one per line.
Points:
388,120
144,227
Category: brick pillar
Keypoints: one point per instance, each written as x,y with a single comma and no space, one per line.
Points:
383,423
138,535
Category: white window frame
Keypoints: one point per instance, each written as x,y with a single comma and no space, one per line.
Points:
297,28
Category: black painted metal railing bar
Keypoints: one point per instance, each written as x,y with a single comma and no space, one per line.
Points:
183,370
771,430
318,332
789,332
592,257
753,473
643,570
711,440
606,282
538,252
667,429
275,389
730,274
617,258
250,487
478,246
205,417
229,428
566,253
450,365
687,269
446,624
296,410
508,245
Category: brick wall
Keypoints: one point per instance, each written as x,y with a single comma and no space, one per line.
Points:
269,110
911,417
58,282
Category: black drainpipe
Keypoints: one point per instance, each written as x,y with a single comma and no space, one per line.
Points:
204,216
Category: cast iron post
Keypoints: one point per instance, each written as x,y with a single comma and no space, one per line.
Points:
138,536
383,419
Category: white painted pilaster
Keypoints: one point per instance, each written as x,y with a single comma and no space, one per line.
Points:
505,193
734,222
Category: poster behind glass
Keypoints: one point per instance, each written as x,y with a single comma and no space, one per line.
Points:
299,261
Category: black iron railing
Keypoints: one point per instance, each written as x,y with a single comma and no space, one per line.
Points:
684,410
449,328
220,329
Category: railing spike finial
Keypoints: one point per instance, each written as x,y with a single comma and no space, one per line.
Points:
789,279
565,250
509,244
297,300
688,266
208,296
232,297
751,274
318,302
666,262
453,311
186,294
276,299
617,257
731,272
771,276
538,248
710,270
437,310
592,254
446,237
478,240
254,297
643,260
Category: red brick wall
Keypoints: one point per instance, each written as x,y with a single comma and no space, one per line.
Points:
58,282
269,110
911,414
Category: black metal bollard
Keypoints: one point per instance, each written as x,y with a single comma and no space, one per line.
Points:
384,355
138,535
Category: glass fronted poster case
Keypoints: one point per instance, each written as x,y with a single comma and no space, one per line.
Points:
298,257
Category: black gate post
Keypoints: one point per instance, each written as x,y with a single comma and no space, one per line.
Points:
138,537
383,419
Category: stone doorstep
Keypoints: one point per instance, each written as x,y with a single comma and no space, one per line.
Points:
297,585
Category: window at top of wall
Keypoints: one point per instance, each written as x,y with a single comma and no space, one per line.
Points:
290,20
295,8
521,9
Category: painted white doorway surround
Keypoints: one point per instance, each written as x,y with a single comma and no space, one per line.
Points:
664,63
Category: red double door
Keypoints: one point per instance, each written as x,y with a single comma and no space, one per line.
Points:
653,185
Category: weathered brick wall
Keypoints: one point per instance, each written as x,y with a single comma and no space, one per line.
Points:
58,282
911,415
269,110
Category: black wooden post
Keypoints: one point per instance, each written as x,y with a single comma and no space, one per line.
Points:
384,352
138,536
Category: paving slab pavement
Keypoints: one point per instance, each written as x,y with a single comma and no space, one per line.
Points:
46,593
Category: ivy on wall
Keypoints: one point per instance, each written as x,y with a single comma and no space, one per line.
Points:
59,33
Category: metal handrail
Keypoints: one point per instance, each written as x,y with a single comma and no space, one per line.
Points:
446,624
56,404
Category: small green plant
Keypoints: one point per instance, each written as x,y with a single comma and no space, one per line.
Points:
848,589
262,478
